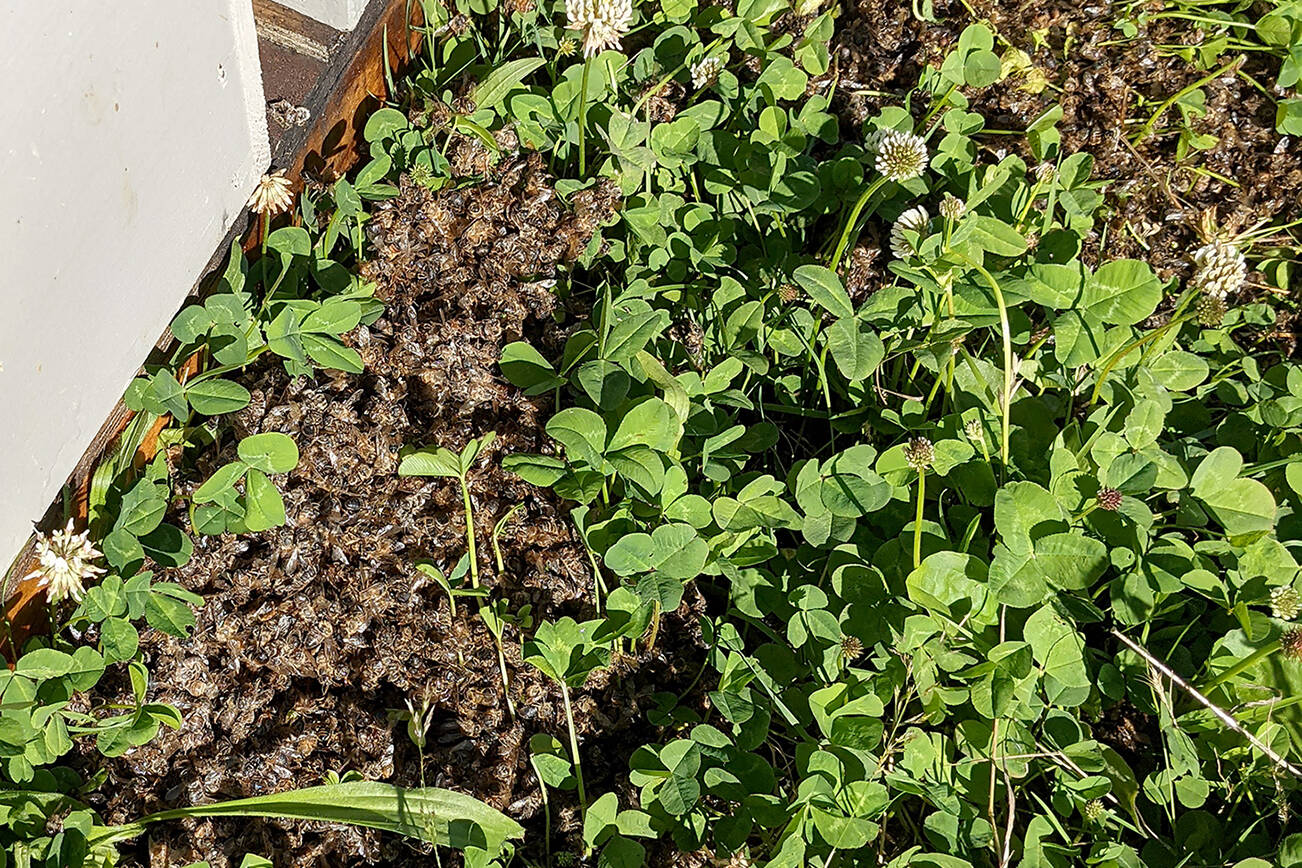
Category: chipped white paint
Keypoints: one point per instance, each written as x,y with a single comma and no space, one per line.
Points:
133,135
339,14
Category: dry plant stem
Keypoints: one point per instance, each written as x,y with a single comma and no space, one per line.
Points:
1224,716
655,626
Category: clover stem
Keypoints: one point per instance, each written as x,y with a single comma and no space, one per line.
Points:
506,679
266,230
474,581
1264,651
1176,97
917,518
497,635
1006,333
452,615
547,810
574,748
1179,318
583,115
848,230
470,532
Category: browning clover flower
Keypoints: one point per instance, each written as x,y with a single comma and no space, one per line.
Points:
901,156
1285,602
705,72
913,220
1219,269
919,453
1290,644
65,564
1109,499
273,195
604,22
952,208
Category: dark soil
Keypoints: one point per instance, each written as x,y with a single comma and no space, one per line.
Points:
311,634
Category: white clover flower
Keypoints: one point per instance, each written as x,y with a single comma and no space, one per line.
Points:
1219,269
901,156
1046,172
1285,603
273,195
952,208
913,220
604,22
64,560
705,72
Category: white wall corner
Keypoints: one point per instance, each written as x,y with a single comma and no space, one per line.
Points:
339,14
255,102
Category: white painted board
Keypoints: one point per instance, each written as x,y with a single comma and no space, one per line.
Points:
134,133
339,14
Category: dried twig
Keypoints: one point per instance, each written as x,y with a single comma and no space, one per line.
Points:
1224,716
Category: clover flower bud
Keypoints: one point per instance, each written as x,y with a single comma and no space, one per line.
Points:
913,220
1046,172
705,72
1095,810
1219,269
901,156
788,293
566,47
1211,310
851,648
1109,499
919,453
974,431
952,208
1285,602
